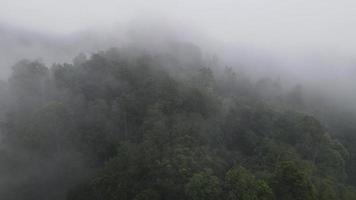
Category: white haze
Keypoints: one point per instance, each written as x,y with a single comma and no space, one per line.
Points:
292,25
310,41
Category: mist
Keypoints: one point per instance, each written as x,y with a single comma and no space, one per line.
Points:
177,99
309,41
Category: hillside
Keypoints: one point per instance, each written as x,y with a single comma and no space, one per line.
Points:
129,125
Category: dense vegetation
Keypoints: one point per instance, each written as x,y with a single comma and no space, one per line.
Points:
127,125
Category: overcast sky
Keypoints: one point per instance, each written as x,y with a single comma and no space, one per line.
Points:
312,39
265,23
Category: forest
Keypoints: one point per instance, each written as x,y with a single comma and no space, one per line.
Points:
129,124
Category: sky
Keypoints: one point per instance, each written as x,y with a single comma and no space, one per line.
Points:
279,24
304,33
311,40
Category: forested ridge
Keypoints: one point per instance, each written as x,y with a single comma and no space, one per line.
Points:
124,124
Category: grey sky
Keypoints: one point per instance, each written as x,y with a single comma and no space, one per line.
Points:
284,24
312,40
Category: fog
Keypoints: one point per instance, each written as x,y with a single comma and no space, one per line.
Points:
292,31
297,42
285,48
309,40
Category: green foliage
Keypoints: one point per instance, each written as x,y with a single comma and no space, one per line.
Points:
122,125
292,182
147,195
242,185
203,186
